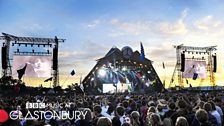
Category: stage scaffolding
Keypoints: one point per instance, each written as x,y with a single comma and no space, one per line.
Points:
211,64
9,40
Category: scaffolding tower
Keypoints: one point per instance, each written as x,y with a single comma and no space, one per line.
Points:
8,39
210,51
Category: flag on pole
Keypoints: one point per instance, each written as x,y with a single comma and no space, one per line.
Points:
129,88
21,72
49,79
73,72
81,85
142,52
195,76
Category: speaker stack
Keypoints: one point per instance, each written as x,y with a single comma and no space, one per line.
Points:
55,58
182,62
214,63
4,61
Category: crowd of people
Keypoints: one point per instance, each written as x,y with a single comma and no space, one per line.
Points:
161,109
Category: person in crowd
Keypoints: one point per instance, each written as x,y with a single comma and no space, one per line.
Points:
97,114
104,121
202,117
143,110
120,113
116,121
167,122
217,101
171,110
181,111
208,108
160,111
135,117
215,113
181,121
154,120
85,121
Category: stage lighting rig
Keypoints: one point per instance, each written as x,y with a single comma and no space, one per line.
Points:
15,40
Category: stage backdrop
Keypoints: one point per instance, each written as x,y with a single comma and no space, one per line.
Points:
37,66
195,68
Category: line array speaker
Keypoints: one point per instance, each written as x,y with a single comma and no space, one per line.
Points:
4,61
182,62
215,63
55,58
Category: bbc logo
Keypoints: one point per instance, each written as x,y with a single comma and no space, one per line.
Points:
35,105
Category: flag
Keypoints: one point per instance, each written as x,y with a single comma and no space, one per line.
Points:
163,65
148,83
142,51
49,79
81,85
21,72
139,75
73,72
129,88
195,76
152,82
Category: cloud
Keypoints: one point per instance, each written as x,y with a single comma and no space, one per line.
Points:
177,28
84,59
93,24
132,28
209,26
162,52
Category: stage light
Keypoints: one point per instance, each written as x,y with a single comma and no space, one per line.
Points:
124,68
149,72
92,79
102,72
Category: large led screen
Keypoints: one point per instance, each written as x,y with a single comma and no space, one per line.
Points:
36,66
193,68
109,88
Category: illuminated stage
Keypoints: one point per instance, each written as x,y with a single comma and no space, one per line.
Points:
123,71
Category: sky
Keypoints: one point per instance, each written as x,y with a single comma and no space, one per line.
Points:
92,27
